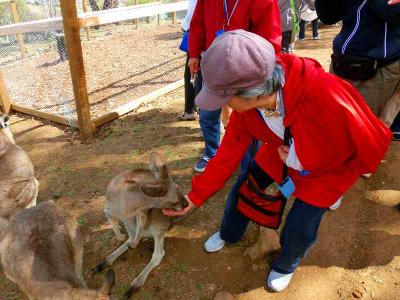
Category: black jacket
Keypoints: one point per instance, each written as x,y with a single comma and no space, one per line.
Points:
371,28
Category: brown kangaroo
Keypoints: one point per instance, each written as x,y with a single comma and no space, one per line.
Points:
41,251
18,185
136,198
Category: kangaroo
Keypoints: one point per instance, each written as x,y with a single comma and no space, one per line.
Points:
41,251
18,185
136,198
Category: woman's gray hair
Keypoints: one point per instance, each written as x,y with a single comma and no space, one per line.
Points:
270,85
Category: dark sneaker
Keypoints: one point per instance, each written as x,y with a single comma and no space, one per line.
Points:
396,136
201,164
188,117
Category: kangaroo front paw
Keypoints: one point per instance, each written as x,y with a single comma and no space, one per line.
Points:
130,292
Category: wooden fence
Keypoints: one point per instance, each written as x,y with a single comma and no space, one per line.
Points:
72,22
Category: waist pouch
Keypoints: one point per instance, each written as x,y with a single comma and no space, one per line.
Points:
354,67
260,207
255,204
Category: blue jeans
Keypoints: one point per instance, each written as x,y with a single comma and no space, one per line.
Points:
302,32
298,234
211,129
209,124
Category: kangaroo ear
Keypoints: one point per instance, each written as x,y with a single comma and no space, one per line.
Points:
5,121
157,166
154,189
108,283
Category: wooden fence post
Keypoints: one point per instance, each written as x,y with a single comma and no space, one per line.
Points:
136,20
77,67
85,9
174,15
4,98
16,19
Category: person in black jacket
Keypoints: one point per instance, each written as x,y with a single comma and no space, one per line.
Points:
367,52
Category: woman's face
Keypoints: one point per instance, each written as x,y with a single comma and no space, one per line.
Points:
243,104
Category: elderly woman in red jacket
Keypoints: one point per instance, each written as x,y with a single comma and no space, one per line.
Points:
311,121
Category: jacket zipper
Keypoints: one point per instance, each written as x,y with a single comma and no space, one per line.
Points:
385,41
355,28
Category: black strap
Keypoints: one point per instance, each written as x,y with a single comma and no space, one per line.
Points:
256,190
286,141
256,207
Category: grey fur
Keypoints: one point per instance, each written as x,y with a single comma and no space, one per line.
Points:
41,251
136,198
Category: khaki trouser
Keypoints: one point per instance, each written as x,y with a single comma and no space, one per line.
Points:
382,92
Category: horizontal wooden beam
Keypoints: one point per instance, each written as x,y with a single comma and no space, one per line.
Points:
96,18
32,26
128,13
128,107
44,115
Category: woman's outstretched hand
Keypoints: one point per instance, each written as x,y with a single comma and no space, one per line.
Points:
174,213
391,2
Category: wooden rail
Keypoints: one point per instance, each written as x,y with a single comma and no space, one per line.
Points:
103,17
128,107
128,13
44,115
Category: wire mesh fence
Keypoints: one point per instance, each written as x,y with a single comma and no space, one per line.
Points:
130,59
123,61
34,64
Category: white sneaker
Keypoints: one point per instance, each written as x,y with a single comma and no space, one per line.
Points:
214,243
337,204
277,281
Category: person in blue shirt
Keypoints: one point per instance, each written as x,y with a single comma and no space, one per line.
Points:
366,52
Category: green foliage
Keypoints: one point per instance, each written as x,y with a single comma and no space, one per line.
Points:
82,220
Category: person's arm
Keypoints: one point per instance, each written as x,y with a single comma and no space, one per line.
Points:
197,36
265,21
330,11
229,155
391,2
389,13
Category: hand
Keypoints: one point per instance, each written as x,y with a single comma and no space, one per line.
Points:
283,152
193,64
174,213
391,2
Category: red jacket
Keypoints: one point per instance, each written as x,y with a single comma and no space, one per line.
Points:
336,135
258,16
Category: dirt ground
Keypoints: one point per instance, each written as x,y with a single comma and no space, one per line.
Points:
356,255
